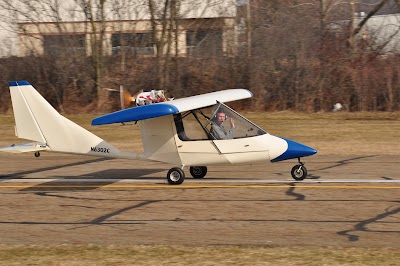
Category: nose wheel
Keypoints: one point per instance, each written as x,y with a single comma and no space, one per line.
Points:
299,172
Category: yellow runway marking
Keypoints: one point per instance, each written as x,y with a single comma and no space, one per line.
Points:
199,187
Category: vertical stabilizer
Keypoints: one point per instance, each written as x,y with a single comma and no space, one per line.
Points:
25,123
37,120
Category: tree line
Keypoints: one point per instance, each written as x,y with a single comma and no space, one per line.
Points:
303,55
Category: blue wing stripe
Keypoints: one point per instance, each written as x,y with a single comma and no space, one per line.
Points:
23,82
136,114
18,83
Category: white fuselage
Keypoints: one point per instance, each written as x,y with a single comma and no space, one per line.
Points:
161,143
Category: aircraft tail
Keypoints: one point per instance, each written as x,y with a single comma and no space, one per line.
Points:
37,120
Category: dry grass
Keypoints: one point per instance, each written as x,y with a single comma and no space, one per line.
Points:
203,255
329,133
337,133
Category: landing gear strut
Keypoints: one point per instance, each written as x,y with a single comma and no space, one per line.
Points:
299,172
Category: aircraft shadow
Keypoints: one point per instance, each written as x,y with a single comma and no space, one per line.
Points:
109,176
22,173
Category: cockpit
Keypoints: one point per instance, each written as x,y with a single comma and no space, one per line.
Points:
217,122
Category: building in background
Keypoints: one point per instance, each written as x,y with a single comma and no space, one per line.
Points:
135,37
382,31
201,28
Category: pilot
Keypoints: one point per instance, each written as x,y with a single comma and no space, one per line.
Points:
217,128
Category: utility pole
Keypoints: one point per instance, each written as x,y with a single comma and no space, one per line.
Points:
248,23
322,20
121,96
352,20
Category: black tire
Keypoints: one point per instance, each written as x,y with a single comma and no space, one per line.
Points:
175,176
198,171
299,172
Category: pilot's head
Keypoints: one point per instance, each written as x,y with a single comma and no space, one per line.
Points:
220,117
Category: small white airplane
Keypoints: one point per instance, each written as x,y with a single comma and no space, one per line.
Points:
184,132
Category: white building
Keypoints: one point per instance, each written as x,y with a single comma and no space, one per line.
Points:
382,31
202,26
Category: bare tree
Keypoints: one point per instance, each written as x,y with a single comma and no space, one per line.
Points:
161,16
95,14
355,29
34,13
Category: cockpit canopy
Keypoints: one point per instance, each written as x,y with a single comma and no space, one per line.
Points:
212,122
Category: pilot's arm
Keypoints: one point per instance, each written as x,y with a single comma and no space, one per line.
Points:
230,133
220,132
232,129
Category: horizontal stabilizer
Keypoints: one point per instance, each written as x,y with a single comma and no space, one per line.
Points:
25,147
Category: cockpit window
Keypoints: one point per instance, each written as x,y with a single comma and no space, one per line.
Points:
218,122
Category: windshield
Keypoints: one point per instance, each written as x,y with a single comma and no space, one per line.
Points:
218,122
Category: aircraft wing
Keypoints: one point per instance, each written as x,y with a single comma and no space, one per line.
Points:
172,107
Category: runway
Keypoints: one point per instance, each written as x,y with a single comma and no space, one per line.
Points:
203,181
348,201
86,170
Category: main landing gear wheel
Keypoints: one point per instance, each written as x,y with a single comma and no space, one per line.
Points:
299,172
198,171
175,176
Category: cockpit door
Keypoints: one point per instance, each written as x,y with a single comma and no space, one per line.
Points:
242,145
244,150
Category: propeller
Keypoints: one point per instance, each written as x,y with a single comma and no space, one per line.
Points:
129,98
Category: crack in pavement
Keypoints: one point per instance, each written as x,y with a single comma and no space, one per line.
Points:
48,194
109,215
362,225
344,162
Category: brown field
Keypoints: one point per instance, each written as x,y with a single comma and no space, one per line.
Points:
210,223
